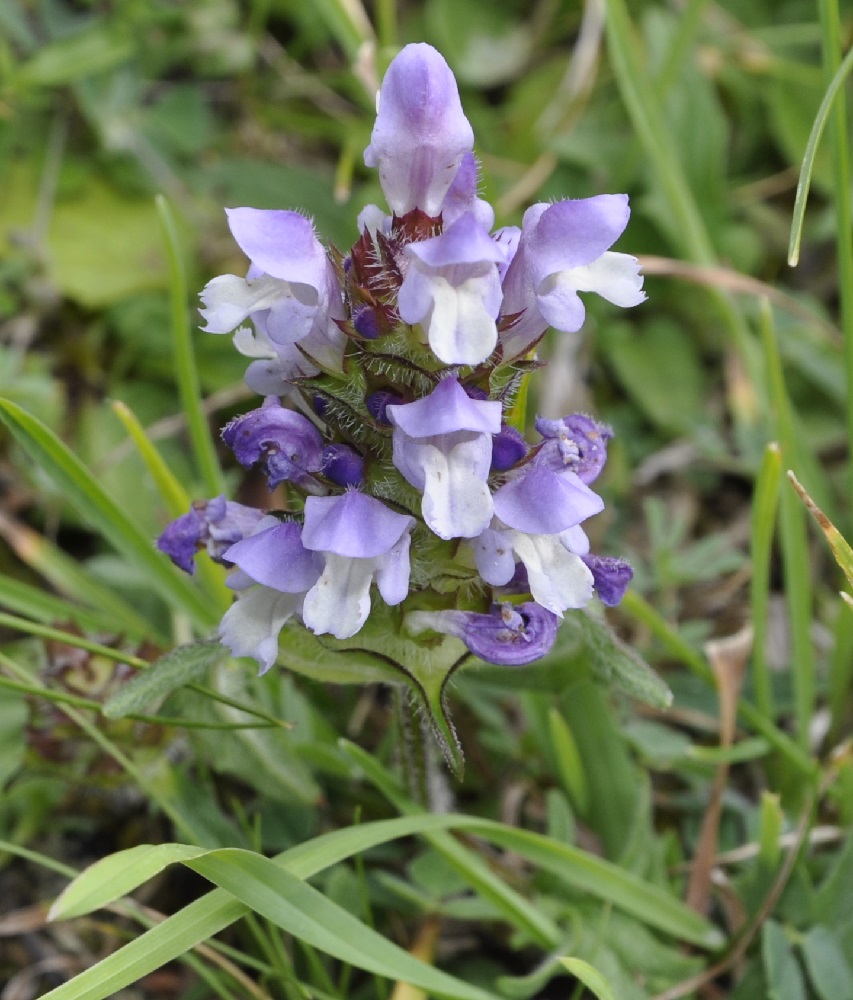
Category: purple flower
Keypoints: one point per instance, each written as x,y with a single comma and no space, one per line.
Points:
287,444
557,578
462,196
275,366
452,288
275,558
361,540
291,281
421,133
576,443
251,626
610,577
563,250
508,448
343,465
442,445
542,502
212,524
509,636
378,402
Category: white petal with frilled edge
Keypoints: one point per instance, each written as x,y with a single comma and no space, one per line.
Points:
250,627
457,502
228,300
614,276
558,579
339,602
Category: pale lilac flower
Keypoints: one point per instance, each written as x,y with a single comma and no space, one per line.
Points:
291,280
421,133
576,443
557,578
543,502
461,197
213,525
251,626
512,635
275,558
361,540
563,250
287,444
442,445
452,288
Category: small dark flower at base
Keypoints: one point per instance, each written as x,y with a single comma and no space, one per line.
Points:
343,465
610,577
213,524
511,636
366,322
378,402
508,448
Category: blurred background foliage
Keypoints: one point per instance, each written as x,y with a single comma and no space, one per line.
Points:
700,110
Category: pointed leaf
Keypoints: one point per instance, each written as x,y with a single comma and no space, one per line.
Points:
179,667
590,977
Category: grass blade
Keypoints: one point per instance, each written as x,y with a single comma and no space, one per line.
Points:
583,871
90,501
185,366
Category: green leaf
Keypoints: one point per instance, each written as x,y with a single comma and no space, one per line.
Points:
303,911
615,663
826,965
784,978
95,50
90,501
590,977
115,876
569,764
582,870
380,653
657,356
13,719
181,666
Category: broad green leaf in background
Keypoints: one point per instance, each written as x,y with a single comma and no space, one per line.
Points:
827,967
784,977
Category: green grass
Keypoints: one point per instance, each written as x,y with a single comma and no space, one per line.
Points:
567,847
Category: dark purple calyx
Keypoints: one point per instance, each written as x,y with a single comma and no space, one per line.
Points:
508,448
378,402
343,465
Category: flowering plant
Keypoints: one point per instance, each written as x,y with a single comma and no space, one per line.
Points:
389,375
